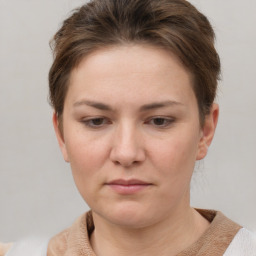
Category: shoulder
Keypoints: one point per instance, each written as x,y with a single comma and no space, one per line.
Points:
58,244
244,243
35,246
74,240
4,248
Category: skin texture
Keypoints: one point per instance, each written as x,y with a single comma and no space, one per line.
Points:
131,113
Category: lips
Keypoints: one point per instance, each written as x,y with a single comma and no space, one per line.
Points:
128,182
127,187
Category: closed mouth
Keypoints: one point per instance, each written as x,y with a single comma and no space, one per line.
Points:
132,182
128,187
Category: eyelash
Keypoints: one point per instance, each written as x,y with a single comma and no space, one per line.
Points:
89,122
167,121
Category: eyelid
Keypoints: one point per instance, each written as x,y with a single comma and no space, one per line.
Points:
168,121
86,122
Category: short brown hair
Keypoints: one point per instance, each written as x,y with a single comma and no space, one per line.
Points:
175,25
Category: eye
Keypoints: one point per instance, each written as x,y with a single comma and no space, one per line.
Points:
96,122
161,122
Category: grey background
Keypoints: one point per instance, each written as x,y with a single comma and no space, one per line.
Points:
37,194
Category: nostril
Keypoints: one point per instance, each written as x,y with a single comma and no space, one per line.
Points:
127,153
126,163
116,163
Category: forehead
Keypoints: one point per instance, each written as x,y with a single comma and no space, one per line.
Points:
131,58
130,70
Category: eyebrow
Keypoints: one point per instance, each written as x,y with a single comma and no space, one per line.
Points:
105,107
162,104
94,104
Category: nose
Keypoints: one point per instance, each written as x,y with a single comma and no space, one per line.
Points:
127,147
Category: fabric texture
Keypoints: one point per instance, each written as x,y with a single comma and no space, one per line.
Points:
244,243
222,238
29,247
214,242
4,248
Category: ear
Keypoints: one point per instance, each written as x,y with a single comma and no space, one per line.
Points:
208,131
60,137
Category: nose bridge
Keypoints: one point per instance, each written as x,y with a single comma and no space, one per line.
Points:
127,147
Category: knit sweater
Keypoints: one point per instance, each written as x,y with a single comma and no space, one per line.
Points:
222,238
214,242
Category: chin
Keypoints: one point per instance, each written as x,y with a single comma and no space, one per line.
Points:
130,215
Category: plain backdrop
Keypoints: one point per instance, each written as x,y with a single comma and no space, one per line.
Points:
37,193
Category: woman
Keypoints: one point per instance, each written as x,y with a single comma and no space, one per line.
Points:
133,85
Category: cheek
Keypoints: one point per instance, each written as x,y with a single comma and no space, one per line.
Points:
174,158
176,153
87,159
85,150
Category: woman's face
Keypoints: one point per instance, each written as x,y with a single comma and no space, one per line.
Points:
131,133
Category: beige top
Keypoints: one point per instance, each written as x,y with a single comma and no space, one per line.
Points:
4,248
74,241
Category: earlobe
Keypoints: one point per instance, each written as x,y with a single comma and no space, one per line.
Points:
208,131
60,137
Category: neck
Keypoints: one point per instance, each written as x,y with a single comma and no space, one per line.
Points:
170,236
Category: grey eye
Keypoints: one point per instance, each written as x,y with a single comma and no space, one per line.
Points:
97,121
159,121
